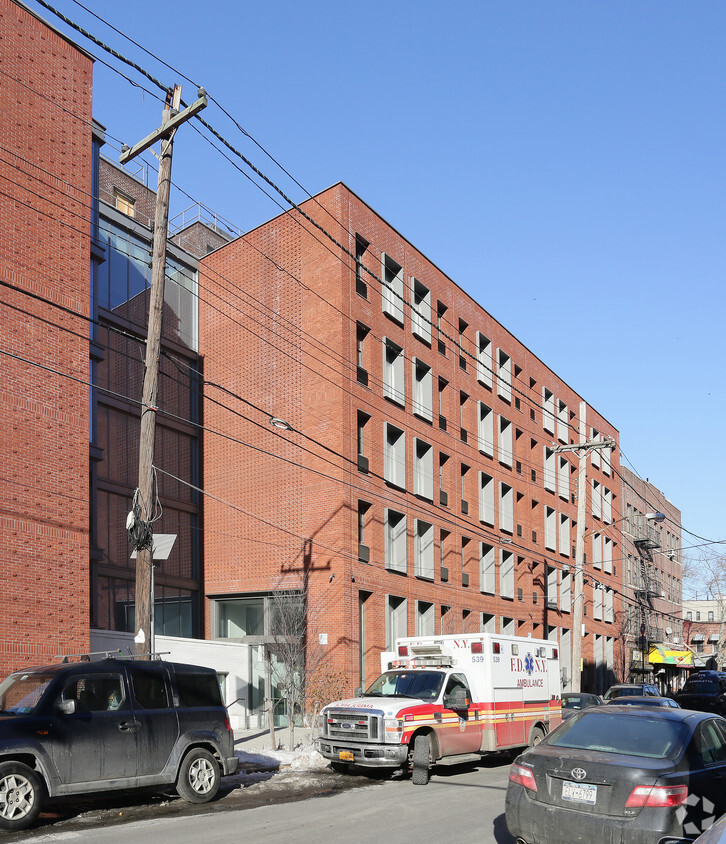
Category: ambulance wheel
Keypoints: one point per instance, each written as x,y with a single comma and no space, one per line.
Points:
421,760
537,736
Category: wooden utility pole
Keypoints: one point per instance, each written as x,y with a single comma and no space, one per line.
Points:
143,511
582,448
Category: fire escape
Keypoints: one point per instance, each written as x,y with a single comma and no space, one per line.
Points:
646,539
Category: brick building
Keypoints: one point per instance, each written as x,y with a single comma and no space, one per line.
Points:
704,626
45,207
651,585
383,444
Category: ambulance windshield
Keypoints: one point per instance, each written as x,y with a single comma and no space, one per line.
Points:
424,685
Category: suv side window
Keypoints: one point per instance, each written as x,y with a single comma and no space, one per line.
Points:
197,689
95,692
149,687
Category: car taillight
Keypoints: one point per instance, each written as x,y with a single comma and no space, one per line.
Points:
653,796
522,776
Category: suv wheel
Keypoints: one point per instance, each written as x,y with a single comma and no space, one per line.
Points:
21,794
199,776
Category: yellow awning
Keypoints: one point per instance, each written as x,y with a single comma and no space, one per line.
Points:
664,654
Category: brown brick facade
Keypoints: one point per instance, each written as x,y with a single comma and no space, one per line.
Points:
45,100
278,320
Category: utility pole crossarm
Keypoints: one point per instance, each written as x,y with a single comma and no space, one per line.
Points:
163,131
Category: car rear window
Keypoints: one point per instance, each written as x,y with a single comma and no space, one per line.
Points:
197,689
657,738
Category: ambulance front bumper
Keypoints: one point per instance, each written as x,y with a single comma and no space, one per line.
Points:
360,753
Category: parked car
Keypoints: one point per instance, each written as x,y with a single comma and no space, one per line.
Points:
573,702
704,691
631,689
82,727
620,773
627,700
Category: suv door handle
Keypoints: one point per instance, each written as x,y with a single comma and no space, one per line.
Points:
129,726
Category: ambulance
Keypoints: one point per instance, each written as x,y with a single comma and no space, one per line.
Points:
446,700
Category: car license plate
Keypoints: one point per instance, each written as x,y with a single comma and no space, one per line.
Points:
578,792
346,756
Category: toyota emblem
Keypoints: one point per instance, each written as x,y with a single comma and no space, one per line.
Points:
578,774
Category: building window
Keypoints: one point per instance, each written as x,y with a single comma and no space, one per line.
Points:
395,540
486,430
595,458
394,387
597,499
483,360
563,478
124,203
423,385
363,508
506,574
689,616
607,505
396,620
506,445
443,495
607,555
363,419
240,617
488,623
462,355
464,556
486,499
440,330
462,415
487,568
361,284
464,499
442,414
423,469
564,535
550,529
421,311
394,455
424,549
361,362
562,422
565,591
550,471
392,288
548,410
506,508
597,551
504,376
710,615
425,619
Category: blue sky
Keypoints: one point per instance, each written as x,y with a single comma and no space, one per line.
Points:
562,161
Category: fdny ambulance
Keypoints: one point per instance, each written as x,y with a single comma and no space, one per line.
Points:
446,700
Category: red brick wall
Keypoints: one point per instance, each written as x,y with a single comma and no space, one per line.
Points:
45,101
278,312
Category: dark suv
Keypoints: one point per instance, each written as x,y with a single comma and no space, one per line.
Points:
110,724
704,691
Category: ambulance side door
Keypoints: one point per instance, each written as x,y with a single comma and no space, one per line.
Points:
462,731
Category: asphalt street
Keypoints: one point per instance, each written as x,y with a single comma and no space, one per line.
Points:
466,805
